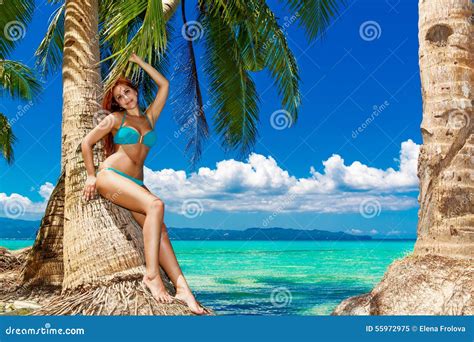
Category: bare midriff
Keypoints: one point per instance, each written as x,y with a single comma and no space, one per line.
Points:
127,158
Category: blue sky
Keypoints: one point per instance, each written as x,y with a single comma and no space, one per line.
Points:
359,122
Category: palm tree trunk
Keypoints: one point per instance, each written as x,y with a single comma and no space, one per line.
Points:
44,263
98,244
437,278
446,167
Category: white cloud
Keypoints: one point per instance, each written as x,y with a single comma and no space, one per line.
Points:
355,231
261,185
358,176
16,206
46,190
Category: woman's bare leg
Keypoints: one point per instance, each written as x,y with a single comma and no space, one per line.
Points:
129,195
170,264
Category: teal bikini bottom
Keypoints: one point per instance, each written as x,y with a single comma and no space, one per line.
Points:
136,180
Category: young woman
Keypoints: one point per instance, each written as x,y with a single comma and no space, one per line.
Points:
129,135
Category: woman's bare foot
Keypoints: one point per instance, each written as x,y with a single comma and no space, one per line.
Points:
187,297
157,289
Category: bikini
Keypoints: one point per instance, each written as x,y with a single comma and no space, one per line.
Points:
127,136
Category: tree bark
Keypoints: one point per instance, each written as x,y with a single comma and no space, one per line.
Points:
99,239
44,263
437,278
445,164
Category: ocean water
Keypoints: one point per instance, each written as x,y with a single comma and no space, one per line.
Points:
280,277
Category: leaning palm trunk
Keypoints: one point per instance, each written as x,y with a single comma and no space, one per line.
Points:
437,278
95,247
44,263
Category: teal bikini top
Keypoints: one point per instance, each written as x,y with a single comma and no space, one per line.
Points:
128,135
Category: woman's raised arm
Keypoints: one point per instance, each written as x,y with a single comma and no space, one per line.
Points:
158,103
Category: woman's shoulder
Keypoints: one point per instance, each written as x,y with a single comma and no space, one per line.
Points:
118,115
114,119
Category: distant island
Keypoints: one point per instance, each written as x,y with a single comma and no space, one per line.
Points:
21,229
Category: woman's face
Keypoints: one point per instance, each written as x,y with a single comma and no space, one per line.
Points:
125,96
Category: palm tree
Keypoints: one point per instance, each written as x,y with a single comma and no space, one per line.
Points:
16,79
437,278
94,251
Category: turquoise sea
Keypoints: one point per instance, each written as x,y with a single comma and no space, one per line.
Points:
279,277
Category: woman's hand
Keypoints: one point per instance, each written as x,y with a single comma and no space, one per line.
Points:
89,188
134,58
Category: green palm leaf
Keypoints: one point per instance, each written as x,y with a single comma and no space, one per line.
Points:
234,94
7,138
187,100
50,51
147,40
279,59
15,15
314,15
18,80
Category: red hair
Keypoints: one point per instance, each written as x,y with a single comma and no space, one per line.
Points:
110,105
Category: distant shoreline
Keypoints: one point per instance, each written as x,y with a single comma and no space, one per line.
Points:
27,230
404,239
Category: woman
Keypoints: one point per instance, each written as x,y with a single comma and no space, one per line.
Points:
128,138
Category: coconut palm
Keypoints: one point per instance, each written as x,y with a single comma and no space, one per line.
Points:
7,138
16,79
437,278
94,250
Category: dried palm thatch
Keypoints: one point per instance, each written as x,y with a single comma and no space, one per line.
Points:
121,295
10,260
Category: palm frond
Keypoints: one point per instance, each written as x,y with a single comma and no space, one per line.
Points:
15,15
50,51
148,40
187,101
7,139
234,94
230,11
18,80
278,58
314,16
